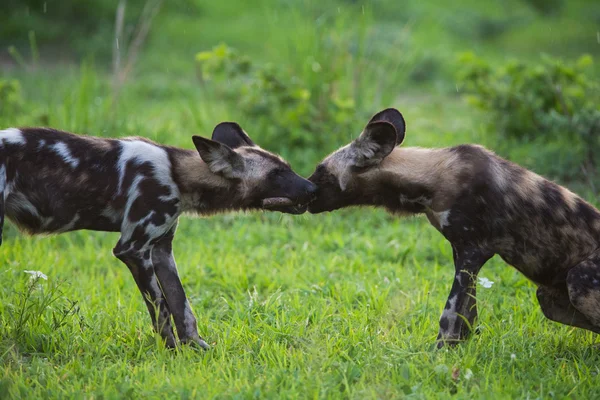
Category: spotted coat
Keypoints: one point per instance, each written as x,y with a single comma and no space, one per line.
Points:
53,182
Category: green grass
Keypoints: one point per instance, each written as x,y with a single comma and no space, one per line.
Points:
341,305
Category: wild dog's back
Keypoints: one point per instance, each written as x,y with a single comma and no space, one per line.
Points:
54,181
535,225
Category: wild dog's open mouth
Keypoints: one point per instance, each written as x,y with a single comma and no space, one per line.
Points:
283,204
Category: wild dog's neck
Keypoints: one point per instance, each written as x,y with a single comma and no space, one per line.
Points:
413,179
201,190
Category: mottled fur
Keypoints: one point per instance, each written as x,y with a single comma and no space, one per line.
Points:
53,182
484,205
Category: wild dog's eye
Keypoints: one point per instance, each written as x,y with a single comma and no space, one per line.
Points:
277,172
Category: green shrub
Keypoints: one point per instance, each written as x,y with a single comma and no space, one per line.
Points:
549,102
286,111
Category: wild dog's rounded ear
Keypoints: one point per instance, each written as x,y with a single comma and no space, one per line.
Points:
374,144
395,118
232,135
219,158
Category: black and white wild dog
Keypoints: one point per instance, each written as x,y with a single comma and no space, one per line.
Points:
483,205
53,182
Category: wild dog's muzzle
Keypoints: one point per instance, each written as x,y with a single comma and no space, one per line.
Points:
288,205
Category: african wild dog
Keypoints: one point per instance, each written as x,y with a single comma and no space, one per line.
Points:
53,181
483,205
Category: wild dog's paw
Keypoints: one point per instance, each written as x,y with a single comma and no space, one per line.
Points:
170,343
441,343
197,343
445,340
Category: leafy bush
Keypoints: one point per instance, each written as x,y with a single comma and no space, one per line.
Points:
548,102
287,111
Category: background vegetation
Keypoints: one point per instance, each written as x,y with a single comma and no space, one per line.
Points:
341,305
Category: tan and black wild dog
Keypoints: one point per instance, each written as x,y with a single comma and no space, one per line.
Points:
53,182
483,205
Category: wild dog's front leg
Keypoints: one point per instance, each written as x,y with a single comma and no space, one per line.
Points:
139,261
461,309
166,270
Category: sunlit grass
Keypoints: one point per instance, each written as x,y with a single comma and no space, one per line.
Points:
323,306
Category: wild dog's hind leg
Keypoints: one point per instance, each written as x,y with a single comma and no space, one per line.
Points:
138,258
557,307
583,282
460,312
166,270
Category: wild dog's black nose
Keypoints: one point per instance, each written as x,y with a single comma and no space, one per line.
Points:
311,190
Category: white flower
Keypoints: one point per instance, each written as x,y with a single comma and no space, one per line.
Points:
37,274
468,374
485,282
513,356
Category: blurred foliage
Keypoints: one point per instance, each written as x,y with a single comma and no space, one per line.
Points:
287,111
424,68
11,98
80,25
546,7
545,102
65,26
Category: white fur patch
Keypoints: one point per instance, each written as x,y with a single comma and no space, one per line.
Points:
458,278
127,227
141,152
12,136
450,310
62,150
442,218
